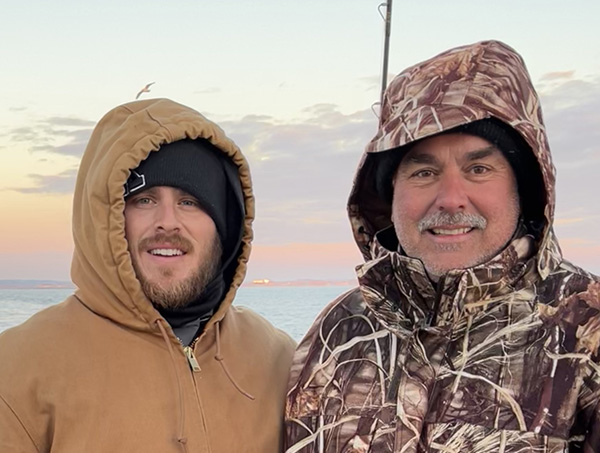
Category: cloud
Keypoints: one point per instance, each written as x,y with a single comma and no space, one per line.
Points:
25,134
577,95
558,75
254,117
302,171
42,136
69,121
17,109
568,221
77,141
62,183
571,111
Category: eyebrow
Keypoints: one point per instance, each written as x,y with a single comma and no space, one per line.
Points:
431,159
149,191
482,153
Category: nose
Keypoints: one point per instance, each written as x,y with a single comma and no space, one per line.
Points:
452,194
166,217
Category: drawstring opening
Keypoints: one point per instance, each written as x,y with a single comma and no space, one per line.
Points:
181,439
219,358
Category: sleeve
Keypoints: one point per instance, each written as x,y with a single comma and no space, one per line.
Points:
301,410
584,435
304,416
14,437
586,431
317,415
300,429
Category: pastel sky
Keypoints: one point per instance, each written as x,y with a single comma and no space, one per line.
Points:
293,83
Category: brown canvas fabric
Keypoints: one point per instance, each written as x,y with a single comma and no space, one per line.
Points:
501,357
103,371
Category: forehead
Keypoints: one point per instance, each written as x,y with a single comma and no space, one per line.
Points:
163,190
456,146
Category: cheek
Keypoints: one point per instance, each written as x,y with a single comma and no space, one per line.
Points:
201,228
501,202
407,208
137,222
129,230
129,222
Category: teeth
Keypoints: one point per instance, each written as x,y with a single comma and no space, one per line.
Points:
166,252
451,232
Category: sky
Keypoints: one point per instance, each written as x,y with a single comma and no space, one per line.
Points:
294,83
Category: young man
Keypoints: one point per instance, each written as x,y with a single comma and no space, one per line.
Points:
149,354
468,332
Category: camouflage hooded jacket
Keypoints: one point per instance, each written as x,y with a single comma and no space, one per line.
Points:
501,357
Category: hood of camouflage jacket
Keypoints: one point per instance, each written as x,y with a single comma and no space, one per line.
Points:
101,266
457,87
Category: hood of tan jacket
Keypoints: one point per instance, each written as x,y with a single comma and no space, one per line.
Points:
459,86
124,137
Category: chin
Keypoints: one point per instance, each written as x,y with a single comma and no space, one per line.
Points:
440,269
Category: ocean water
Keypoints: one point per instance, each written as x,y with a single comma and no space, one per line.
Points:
289,308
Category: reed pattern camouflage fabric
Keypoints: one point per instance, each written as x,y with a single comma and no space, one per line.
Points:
501,357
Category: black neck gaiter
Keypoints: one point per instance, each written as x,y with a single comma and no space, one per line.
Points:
207,302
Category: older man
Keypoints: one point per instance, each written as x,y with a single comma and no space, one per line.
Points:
468,332
149,354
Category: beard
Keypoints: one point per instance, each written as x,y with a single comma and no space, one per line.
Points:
182,293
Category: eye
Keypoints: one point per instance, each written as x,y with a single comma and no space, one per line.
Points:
479,169
425,173
189,202
142,200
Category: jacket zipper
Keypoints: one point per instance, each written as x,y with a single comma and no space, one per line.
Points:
189,353
432,316
191,358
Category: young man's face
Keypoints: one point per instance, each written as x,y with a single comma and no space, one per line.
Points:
173,244
455,202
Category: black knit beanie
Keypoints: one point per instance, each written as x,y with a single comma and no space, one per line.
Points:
512,145
194,166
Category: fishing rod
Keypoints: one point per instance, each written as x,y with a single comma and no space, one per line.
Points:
386,44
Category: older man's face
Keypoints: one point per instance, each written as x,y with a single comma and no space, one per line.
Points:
455,203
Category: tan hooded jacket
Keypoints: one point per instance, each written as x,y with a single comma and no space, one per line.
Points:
103,371
501,357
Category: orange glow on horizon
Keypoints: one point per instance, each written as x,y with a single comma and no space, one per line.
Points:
36,223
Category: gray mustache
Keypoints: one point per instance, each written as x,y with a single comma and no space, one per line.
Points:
443,218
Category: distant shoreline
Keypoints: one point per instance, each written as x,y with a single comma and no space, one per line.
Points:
36,284
269,283
265,283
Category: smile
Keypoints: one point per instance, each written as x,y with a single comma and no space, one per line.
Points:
450,231
166,252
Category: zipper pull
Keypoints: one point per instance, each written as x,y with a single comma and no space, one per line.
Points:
189,353
429,319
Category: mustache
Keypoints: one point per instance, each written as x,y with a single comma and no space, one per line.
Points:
175,240
443,218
